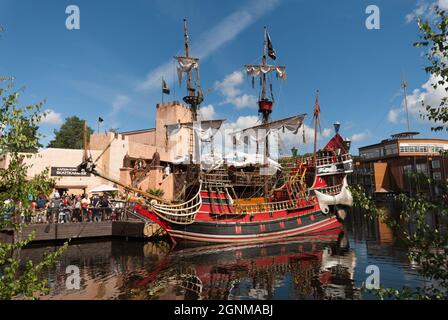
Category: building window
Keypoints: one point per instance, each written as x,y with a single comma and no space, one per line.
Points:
436,164
422,168
407,168
437,176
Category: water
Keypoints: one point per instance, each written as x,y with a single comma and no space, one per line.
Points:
329,266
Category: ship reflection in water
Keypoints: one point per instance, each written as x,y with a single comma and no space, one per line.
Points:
317,267
325,266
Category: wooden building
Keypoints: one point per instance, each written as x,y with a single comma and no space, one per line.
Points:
384,168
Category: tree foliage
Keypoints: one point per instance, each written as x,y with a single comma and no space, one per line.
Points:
16,280
426,240
156,192
70,135
434,35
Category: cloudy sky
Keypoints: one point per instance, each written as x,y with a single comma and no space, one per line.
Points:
112,67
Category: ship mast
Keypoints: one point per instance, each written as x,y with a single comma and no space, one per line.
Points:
316,116
190,66
264,103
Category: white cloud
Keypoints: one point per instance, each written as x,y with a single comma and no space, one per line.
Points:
243,122
207,113
443,4
425,93
425,10
213,39
119,102
229,86
245,101
52,118
428,95
393,115
229,89
362,136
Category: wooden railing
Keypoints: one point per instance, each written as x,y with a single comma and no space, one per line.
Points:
183,213
265,207
333,190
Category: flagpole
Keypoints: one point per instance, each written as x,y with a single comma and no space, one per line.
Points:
162,89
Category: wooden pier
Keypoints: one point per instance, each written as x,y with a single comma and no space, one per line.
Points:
84,230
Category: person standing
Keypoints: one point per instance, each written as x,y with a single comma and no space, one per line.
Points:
85,202
77,209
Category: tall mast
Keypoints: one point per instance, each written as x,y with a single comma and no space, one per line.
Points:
263,78
187,64
316,124
264,103
404,85
190,88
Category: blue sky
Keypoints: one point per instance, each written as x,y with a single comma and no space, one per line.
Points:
112,66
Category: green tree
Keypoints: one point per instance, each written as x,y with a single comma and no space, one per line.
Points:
70,135
156,192
29,130
19,279
434,35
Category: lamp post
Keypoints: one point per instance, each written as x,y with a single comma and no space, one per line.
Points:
347,144
337,126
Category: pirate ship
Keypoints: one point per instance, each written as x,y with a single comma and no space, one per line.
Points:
244,197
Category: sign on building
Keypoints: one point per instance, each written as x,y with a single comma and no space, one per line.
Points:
68,172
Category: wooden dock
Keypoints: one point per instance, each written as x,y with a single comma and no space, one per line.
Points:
84,230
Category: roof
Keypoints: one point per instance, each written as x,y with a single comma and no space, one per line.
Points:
406,134
389,141
125,133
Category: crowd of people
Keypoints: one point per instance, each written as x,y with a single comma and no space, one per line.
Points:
67,208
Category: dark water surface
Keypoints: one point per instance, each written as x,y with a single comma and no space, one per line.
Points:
328,266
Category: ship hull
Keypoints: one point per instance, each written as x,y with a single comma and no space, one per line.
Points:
227,230
200,232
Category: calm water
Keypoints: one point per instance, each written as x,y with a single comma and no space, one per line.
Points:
331,266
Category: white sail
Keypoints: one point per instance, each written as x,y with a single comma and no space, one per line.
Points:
258,70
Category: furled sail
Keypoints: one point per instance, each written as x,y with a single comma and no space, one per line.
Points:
205,129
292,124
259,133
258,70
186,64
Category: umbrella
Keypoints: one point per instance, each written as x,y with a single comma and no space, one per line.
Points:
103,188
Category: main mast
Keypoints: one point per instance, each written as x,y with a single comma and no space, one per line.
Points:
264,103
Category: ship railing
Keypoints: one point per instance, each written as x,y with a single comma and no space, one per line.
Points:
332,190
216,177
249,178
183,213
265,207
325,160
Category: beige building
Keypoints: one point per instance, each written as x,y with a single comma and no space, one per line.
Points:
120,155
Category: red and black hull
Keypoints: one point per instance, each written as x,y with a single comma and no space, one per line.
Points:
207,231
215,222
